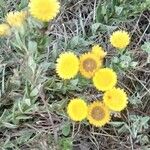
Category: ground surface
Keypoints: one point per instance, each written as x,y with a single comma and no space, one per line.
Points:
37,121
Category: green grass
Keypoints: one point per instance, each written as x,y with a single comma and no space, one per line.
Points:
33,99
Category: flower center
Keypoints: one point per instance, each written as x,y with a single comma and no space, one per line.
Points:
89,65
109,97
97,113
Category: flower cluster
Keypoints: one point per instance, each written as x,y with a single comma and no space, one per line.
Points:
98,112
43,10
12,20
90,66
68,64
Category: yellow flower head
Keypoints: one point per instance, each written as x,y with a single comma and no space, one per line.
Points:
16,19
89,63
98,51
105,79
98,114
120,39
77,109
44,10
67,65
4,29
115,99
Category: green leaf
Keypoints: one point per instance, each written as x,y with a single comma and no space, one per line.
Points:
146,47
78,41
32,46
117,123
144,120
25,136
66,129
118,10
28,101
115,60
59,85
133,64
35,91
74,82
104,27
19,41
101,10
32,63
65,143
9,125
2,3
95,27
23,4
124,128
23,117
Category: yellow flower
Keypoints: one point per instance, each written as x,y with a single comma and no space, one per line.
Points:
77,109
16,19
98,114
44,10
115,99
120,39
67,65
98,51
105,79
4,29
89,63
